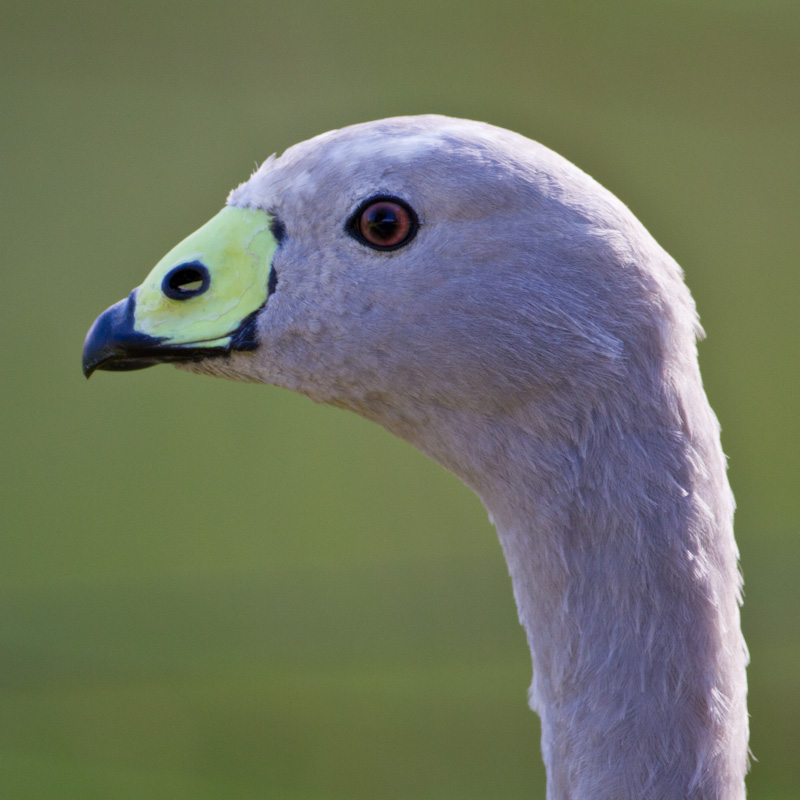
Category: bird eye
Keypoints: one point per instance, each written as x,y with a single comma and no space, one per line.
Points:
185,281
385,223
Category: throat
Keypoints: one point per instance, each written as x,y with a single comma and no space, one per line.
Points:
624,570
626,582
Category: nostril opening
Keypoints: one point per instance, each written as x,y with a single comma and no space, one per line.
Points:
185,281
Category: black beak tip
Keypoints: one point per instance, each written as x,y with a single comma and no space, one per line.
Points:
100,343
113,344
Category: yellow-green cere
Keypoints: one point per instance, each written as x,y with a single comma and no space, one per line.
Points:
236,247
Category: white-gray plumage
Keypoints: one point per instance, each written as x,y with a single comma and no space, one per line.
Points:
534,339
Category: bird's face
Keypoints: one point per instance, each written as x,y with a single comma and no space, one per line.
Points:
388,267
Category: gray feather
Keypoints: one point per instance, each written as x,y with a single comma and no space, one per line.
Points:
534,339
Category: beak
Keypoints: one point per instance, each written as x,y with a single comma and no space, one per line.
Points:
200,301
113,344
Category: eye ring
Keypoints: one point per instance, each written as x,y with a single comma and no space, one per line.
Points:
186,281
384,222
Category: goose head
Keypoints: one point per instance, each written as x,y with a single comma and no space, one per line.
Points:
408,268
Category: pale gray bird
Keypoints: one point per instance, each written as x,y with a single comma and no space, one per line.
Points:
482,298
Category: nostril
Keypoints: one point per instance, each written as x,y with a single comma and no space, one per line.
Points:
186,281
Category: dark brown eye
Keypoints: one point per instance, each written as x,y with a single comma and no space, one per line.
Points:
385,223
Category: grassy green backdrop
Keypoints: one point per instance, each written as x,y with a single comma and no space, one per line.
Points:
210,590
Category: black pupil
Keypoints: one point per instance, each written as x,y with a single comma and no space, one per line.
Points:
382,221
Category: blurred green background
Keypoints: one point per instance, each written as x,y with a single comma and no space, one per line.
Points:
211,590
